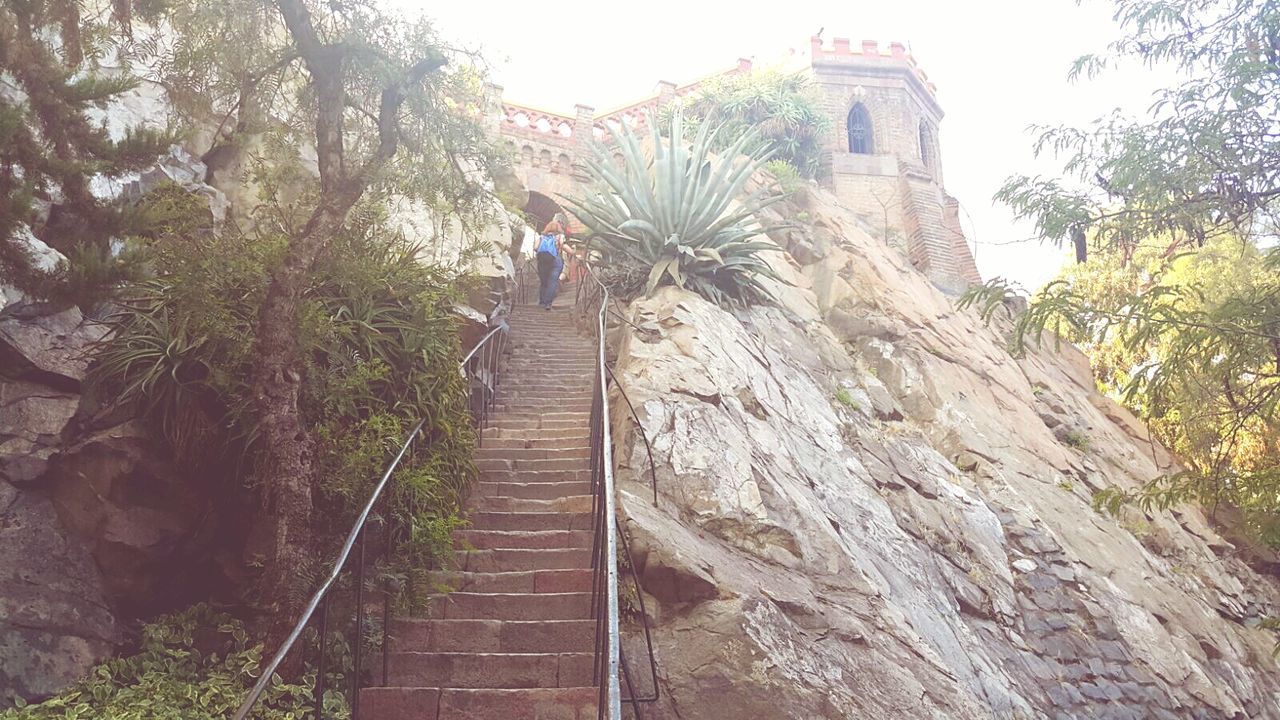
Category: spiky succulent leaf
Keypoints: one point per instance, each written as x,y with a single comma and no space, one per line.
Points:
680,213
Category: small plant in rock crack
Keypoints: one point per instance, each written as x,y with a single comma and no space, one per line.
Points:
1272,623
1076,439
844,398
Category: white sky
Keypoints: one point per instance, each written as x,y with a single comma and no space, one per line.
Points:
1000,66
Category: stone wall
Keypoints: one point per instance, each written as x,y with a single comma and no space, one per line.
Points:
868,508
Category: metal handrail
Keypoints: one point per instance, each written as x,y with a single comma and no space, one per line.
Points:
490,354
608,533
319,595
604,559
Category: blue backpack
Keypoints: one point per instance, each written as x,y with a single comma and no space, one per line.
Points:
547,244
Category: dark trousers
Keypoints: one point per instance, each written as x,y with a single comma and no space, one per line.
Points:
547,279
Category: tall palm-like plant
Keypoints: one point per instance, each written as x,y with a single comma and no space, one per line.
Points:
681,214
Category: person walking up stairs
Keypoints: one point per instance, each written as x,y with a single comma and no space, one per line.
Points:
514,641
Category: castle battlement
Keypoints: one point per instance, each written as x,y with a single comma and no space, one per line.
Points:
842,51
882,156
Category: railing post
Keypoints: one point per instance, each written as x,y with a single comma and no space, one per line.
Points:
324,645
358,643
389,553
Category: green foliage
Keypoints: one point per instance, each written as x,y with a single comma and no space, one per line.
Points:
193,665
1076,439
1188,342
233,64
680,214
1205,162
844,398
789,179
784,109
1179,302
50,148
381,350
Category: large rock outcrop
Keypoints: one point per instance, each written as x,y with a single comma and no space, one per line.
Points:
868,508
55,617
98,527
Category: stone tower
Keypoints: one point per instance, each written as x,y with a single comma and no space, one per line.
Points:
882,154
883,158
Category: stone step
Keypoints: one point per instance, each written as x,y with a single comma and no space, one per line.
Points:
546,339
553,414
506,423
497,520
487,670
533,368
553,379
511,606
497,560
400,703
533,365
532,490
532,476
535,443
562,505
493,636
524,539
517,406
578,394
570,464
529,453
547,434
523,581
550,398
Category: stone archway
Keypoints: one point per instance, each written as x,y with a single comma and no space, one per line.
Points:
540,209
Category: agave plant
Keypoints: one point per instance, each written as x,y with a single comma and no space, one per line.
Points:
681,214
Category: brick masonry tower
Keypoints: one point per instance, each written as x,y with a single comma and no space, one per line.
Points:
883,156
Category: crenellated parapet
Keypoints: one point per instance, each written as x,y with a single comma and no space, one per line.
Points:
882,157
842,51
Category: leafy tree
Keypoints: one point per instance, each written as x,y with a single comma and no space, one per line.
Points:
332,106
1204,162
1188,343
50,149
679,215
783,108
1180,301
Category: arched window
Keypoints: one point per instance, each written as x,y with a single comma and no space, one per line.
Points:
926,144
861,140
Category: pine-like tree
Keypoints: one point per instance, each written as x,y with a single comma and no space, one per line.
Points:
51,149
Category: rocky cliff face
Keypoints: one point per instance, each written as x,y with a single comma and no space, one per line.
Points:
868,508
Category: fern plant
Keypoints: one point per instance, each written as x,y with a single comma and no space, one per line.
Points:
681,214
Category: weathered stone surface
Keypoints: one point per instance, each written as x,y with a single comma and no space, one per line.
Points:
116,490
180,168
972,584
54,620
42,256
51,349
32,418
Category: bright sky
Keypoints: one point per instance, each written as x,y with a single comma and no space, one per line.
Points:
1000,67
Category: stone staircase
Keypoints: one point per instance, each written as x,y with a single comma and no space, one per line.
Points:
514,641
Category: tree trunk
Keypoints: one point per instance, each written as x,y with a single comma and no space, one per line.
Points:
288,449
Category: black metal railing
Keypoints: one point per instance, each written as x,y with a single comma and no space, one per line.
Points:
612,672
482,369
